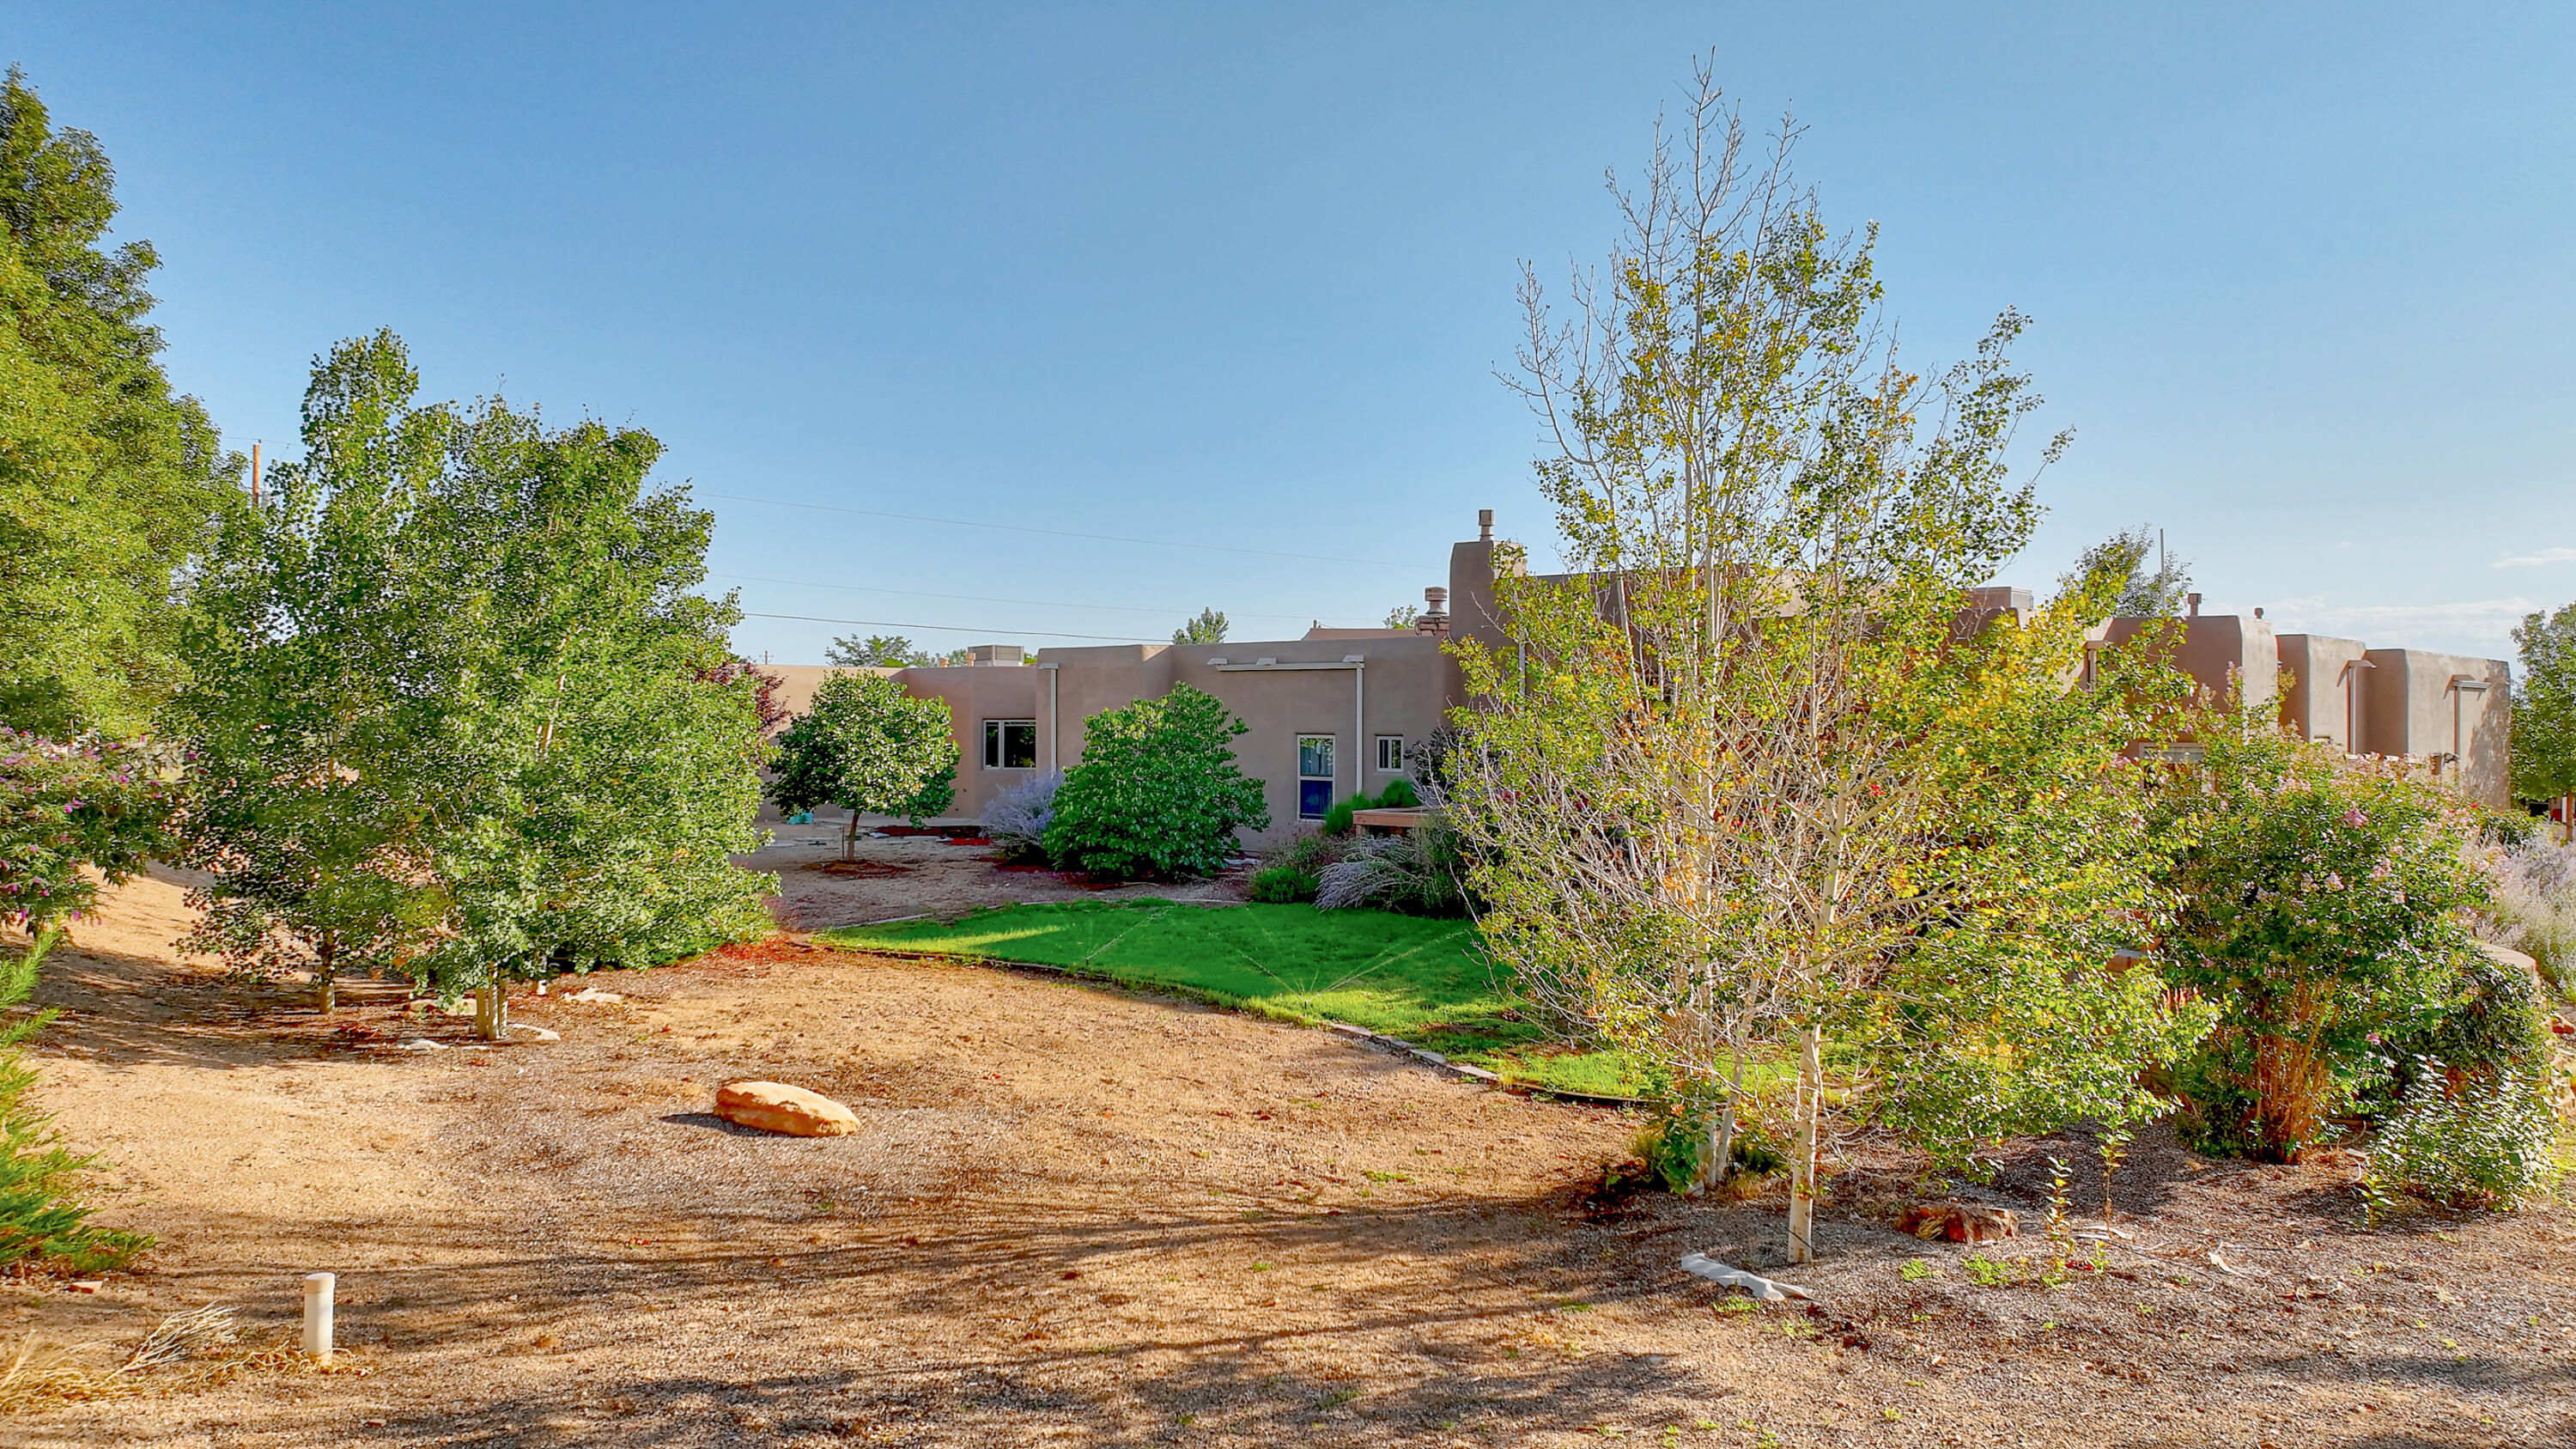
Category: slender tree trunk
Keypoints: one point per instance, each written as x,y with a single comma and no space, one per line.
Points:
850,838
1802,1156
1721,1146
326,973
492,1008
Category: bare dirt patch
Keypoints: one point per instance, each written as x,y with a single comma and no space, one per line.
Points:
1079,1216
913,875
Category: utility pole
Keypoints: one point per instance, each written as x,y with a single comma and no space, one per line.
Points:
254,472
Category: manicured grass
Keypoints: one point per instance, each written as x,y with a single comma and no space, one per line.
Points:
1426,982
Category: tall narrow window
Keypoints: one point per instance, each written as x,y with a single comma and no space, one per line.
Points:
1010,744
1314,776
1390,754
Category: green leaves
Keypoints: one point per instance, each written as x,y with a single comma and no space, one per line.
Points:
460,709
867,746
2320,910
109,484
1157,793
2544,718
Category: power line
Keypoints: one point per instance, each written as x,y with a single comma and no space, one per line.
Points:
956,628
1061,533
988,599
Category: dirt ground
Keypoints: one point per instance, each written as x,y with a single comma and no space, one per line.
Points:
891,877
1075,1216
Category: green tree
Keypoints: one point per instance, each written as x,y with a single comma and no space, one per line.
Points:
461,714
1739,787
868,747
1157,792
1403,616
2544,706
1208,628
2159,592
109,483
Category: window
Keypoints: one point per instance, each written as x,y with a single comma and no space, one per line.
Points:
1390,754
1314,776
1010,744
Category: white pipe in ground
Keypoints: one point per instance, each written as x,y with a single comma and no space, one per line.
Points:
317,1315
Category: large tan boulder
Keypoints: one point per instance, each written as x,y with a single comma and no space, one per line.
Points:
778,1107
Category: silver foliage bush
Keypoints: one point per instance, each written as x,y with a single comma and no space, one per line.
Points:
2535,906
1412,871
1017,819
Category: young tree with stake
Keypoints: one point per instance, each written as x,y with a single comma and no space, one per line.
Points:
1744,787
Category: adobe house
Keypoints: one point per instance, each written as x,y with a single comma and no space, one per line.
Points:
1331,715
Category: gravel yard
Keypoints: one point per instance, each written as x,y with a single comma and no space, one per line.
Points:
1078,1216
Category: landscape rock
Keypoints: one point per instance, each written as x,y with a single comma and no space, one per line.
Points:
593,993
1959,1222
540,1033
421,1044
778,1107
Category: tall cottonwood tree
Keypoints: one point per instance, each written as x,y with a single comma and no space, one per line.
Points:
1754,783
459,712
109,480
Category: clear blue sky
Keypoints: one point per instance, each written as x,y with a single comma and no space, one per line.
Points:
1241,276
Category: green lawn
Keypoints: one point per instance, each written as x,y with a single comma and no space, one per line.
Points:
1425,982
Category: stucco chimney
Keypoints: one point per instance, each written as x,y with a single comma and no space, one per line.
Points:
1484,525
1435,612
2193,601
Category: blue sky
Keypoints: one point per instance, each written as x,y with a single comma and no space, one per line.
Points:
1241,277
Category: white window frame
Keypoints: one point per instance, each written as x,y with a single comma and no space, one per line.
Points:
1382,766
997,743
1332,760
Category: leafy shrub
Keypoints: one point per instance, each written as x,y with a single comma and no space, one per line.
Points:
1398,795
1016,820
1282,885
2320,907
1677,1144
1157,793
2486,1144
1310,852
2492,1026
1416,872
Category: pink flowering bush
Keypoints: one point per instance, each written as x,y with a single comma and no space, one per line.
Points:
74,815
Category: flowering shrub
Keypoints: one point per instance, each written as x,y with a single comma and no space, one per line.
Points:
68,805
2322,909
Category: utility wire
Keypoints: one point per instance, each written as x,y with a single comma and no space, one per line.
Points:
987,599
957,628
1059,532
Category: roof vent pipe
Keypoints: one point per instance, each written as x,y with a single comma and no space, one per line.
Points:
1484,525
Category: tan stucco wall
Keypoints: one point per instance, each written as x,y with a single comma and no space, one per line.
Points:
2407,704
2221,652
2317,692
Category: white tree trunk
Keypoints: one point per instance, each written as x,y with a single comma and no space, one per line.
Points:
1802,1154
